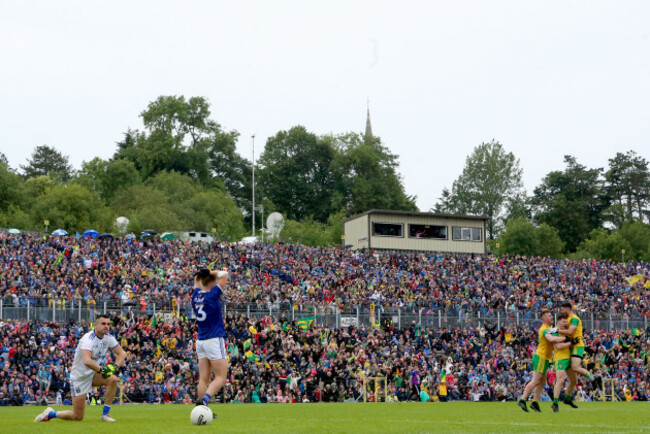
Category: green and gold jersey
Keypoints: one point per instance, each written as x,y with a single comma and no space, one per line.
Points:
561,354
577,333
544,347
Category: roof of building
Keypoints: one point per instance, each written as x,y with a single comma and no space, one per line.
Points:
418,214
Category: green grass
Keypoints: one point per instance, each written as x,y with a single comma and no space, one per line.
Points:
375,418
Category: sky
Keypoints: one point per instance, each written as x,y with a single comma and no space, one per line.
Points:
543,78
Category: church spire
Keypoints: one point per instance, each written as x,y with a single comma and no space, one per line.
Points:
368,126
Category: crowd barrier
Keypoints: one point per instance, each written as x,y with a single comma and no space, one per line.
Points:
328,316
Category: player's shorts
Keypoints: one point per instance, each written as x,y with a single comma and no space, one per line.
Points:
540,365
81,385
211,349
562,365
578,351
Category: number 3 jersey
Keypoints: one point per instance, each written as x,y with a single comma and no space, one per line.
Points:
207,308
99,350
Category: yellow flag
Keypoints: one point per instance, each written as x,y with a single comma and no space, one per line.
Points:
647,284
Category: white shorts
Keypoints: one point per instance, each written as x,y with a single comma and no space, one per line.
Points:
211,349
82,385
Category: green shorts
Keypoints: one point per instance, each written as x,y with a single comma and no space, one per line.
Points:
540,365
562,365
578,351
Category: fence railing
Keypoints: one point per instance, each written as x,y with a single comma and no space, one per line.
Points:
328,316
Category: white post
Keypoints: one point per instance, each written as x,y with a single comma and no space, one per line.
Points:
79,310
338,318
293,313
54,311
104,306
479,319
439,319
1,302
253,214
357,315
517,317
498,319
28,303
399,318
248,310
420,316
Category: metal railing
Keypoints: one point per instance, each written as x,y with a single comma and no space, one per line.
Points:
327,316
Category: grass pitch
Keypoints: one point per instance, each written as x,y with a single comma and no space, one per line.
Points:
330,418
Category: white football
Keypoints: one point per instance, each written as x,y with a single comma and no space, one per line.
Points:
201,415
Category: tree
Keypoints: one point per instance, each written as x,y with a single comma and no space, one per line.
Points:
628,184
637,235
295,174
231,169
47,161
106,178
604,245
366,176
3,159
549,242
491,178
521,237
571,201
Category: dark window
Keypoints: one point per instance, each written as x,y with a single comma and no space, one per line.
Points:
192,234
466,234
428,231
387,229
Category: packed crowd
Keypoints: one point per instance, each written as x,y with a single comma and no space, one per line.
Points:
74,271
275,360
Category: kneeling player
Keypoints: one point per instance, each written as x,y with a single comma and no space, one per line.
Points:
87,372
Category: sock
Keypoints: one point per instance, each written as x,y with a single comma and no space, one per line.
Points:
107,409
206,399
52,415
590,375
556,401
521,398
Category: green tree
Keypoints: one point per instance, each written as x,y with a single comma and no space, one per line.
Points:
11,188
231,169
603,245
628,184
295,174
47,161
3,159
637,235
491,178
519,238
307,232
571,201
549,242
366,176
106,178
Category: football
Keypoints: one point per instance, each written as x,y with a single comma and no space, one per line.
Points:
201,415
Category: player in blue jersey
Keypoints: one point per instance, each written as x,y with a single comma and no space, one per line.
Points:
210,344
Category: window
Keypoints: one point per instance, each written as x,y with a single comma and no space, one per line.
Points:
466,234
428,231
388,229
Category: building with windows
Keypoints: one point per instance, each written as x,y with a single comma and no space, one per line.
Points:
407,230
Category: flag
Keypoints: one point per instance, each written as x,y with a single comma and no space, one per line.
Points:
247,344
266,363
647,284
252,357
636,332
59,259
154,321
634,279
78,235
305,323
212,264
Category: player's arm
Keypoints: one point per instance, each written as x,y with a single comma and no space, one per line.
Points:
87,358
556,339
120,356
572,327
561,345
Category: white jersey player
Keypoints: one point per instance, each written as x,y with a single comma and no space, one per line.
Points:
88,371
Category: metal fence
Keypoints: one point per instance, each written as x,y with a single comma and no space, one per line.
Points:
328,316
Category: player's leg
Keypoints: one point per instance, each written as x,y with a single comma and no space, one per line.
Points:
577,353
77,412
111,387
571,387
220,369
560,376
204,378
533,384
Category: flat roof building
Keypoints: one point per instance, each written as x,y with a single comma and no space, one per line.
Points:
407,230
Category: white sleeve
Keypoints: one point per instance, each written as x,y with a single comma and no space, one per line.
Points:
112,342
85,343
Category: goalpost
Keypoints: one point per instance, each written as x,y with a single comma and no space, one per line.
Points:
374,388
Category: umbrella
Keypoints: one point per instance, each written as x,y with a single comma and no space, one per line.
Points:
148,233
92,233
108,236
167,236
59,232
14,231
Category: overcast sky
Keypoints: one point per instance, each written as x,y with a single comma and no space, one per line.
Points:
544,78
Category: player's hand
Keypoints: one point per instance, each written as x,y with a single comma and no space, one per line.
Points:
575,341
552,330
108,370
567,339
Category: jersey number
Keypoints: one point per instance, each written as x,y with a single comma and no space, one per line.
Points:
200,315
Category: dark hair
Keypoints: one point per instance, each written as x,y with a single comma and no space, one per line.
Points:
567,304
563,316
202,273
544,312
102,315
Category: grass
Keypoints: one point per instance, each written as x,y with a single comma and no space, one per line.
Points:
372,418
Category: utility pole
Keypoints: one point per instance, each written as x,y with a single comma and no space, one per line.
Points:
253,214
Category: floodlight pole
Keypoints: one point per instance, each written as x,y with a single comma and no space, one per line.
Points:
253,214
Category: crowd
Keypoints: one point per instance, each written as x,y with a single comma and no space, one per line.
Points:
276,360
89,272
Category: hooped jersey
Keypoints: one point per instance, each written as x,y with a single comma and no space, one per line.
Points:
544,347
